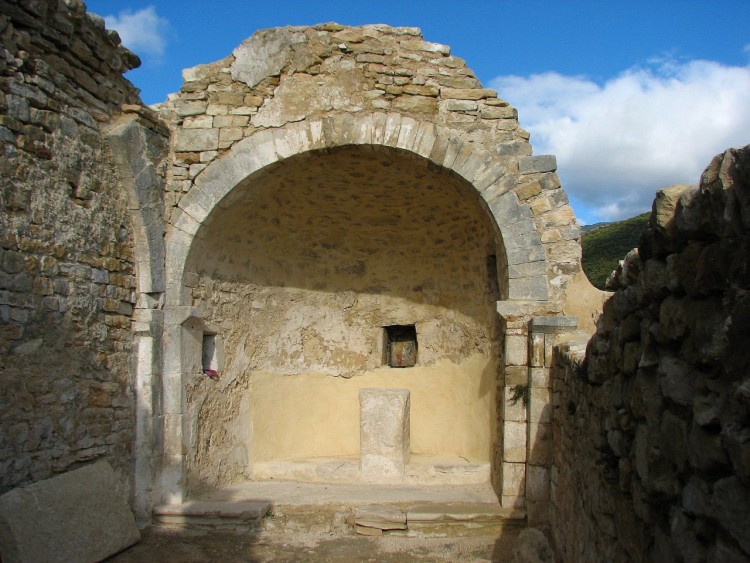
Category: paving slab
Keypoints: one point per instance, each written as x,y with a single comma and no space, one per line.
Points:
380,517
460,511
81,515
159,544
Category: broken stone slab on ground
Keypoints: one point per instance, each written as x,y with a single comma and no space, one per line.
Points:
383,517
81,515
373,520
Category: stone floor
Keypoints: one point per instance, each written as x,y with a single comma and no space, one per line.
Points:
314,522
160,544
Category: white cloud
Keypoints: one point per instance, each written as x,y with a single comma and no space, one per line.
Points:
647,128
143,31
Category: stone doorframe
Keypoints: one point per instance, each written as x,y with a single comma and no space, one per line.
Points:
493,177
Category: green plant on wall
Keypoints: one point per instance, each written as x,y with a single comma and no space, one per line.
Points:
520,393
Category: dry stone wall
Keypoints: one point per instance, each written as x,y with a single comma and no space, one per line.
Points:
67,285
651,427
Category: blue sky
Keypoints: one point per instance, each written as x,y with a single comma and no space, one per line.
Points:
630,96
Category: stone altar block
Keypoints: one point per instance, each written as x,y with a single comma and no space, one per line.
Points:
384,434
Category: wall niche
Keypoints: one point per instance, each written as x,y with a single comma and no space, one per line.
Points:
400,346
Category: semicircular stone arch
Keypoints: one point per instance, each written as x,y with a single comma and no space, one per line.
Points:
489,176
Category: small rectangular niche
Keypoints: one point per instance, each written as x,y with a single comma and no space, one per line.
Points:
400,346
211,353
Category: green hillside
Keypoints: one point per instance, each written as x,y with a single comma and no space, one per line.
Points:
607,244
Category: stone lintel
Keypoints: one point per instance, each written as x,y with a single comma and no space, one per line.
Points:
553,324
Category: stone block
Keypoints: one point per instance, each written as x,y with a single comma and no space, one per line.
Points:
506,112
540,443
513,501
537,350
195,73
516,350
540,407
537,483
531,288
514,409
427,47
529,190
82,515
416,90
467,93
384,434
196,140
540,377
380,517
514,442
540,206
516,375
459,105
532,164
514,479
185,109
553,324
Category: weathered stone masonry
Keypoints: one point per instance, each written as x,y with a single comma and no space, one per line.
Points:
240,123
67,264
650,424
288,205
180,287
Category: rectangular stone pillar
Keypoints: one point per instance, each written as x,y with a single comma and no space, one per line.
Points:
542,335
383,434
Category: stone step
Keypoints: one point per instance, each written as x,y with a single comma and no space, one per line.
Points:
426,519
211,514
421,469
444,519
444,510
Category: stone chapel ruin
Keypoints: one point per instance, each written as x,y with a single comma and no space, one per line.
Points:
331,257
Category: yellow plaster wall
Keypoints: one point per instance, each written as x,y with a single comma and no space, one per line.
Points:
315,415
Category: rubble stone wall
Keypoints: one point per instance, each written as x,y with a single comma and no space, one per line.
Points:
651,426
67,275
390,77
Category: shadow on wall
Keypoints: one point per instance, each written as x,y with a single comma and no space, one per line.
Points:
361,220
